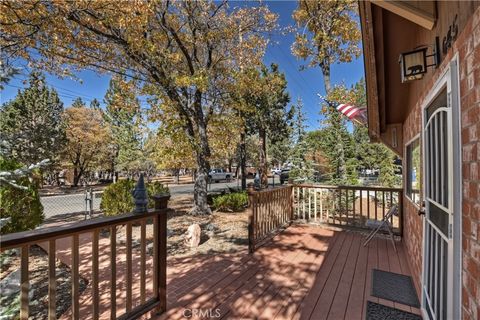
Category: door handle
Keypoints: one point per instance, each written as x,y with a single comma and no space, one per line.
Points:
421,211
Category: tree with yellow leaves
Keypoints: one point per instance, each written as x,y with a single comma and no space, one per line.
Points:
264,94
333,34
87,138
182,53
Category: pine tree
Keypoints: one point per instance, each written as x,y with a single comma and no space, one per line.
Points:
302,166
123,114
373,156
32,123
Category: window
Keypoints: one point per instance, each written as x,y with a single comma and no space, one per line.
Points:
413,171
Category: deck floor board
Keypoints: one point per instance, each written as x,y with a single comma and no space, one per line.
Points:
305,272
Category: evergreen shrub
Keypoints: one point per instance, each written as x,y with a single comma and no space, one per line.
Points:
23,207
117,198
231,202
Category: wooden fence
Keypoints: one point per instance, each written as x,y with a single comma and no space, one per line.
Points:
23,240
271,209
351,206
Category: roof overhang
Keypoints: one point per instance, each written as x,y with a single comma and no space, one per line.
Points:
419,12
382,44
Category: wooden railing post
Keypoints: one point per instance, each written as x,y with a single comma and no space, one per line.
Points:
292,202
160,257
162,262
400,210
251,221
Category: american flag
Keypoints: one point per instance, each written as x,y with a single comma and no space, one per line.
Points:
353,113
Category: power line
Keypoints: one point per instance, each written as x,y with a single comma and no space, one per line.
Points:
69,94
294,67
60,94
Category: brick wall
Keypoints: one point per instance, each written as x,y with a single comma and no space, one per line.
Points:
469,54
413,227
467,46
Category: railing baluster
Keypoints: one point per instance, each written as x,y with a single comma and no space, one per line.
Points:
346,207
75,283
368,204
128,240
321,205
354,221
25,283
391,205
52,281
142,260
95,294
361,204
375,201
309,203
383,205
303,203
113,272
328,205
339,206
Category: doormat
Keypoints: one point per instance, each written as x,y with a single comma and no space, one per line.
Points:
395,287
377,311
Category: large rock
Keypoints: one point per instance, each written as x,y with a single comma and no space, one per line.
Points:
192,236
11,283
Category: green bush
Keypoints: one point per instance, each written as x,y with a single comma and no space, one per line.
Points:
117,198
23,207
236,201
154,188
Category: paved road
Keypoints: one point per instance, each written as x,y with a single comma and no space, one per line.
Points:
72,203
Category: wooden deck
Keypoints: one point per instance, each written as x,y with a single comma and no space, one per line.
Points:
306,272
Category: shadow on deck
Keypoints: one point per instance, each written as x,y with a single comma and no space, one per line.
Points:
305,272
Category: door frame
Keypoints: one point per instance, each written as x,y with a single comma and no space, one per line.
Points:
449,79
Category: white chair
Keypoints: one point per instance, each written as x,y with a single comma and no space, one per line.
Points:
385,224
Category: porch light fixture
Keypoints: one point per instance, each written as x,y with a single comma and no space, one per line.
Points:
413,64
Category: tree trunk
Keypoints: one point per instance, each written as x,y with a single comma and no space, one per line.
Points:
243,160
77,174
263,157
200,203
200,188
325,67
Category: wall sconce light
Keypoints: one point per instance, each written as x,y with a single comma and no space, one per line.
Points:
413,64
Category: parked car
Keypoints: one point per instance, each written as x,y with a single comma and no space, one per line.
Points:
284,175
276,171
217,175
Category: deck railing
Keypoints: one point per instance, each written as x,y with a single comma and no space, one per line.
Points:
271,209
49,236
354,206
350,206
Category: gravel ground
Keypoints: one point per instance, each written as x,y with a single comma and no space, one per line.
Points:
221,232
38,275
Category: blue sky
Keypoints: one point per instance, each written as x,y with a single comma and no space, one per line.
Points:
301,84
